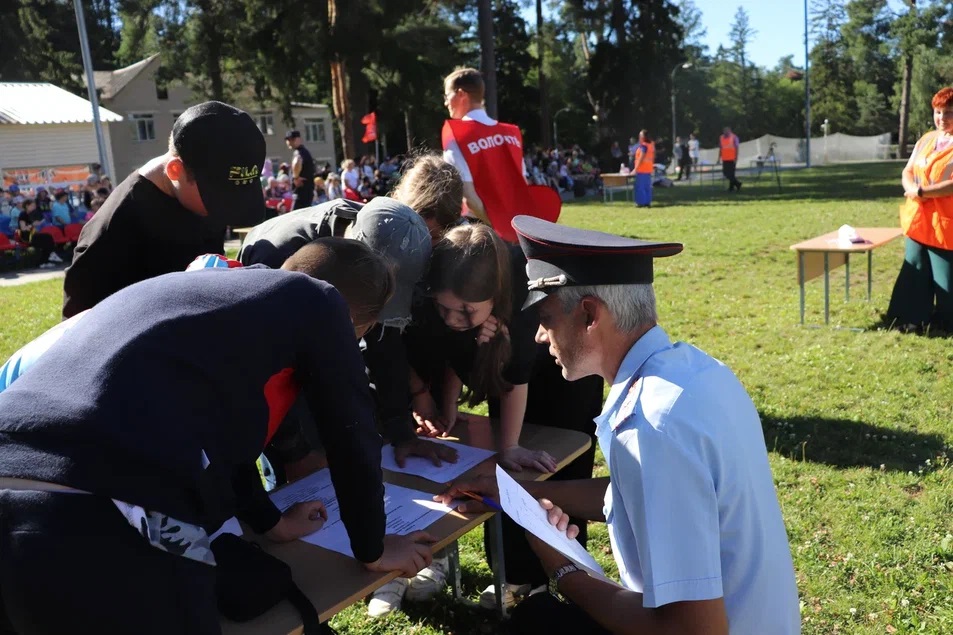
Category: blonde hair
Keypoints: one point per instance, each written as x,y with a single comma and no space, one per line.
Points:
433,188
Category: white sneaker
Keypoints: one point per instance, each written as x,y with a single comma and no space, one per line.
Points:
430,581
511,594
54,258
387,598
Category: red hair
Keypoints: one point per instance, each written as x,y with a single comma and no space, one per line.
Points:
943,98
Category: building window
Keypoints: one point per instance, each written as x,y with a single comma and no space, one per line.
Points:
162,92
314,131
266,123
175,116
145,127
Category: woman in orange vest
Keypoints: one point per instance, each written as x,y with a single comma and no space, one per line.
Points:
923,292
644,169
728,155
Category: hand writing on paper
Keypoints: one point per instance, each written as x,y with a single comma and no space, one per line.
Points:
436,453
515,458
484,485
406,554
299,520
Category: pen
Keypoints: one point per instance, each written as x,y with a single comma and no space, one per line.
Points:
489,502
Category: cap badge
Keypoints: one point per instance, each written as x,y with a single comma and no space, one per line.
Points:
544,283
240,175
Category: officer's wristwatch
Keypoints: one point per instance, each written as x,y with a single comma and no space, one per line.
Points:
557,576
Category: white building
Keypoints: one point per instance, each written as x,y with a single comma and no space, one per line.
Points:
47,136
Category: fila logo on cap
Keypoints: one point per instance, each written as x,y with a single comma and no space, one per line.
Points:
239,175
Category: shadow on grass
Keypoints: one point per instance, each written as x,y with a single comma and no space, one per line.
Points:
845,444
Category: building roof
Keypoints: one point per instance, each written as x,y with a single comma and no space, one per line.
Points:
109,83
37,103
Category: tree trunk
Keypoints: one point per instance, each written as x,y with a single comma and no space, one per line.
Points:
488,55
904,105
409,130
212,41
544,127
342,106
339,94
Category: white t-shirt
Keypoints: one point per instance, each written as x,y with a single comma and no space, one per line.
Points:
352,178
691,507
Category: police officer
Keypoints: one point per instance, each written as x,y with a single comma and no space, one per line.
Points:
690,505
302,170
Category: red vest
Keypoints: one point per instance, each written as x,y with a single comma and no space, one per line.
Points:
494,155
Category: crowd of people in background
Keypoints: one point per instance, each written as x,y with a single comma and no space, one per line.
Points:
26,212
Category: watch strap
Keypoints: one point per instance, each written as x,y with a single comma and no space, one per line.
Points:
558,575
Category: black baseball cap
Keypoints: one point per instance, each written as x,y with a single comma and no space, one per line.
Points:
224,150
558,256
292,134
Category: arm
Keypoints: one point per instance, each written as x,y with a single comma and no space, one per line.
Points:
620,611
936,190
332,376
582,498
474,204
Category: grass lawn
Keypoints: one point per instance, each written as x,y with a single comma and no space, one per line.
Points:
858,420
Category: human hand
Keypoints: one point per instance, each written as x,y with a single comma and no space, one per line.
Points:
436,453
310,463
516,457
301,519
558,518
489,328
483,485
405,554
424,410
549,558
911,193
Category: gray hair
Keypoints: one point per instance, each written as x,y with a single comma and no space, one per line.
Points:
631,305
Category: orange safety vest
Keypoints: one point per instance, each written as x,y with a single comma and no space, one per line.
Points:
729,152
645,158
930,220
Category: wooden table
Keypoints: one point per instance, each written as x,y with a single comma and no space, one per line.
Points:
817,256
333,581
615,181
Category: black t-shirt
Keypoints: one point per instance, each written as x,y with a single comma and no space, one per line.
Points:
431,344
139,233
307,165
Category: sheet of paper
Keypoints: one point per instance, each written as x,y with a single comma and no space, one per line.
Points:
527,513
467,457
407,510
230,526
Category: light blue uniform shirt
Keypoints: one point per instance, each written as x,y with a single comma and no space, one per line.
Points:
691,508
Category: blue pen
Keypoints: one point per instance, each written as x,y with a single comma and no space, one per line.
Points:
489,502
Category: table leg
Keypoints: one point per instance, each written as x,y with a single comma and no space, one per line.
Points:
453,559
800,266
495,527
847,278
827,288
870,258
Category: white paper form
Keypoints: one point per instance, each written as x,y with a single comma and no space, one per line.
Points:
528,514
407,510
467,457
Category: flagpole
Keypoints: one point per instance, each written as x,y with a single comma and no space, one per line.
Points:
377,151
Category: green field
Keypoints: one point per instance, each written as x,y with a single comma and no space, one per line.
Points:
858,419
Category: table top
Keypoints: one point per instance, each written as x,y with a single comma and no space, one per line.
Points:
874,237
333,581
